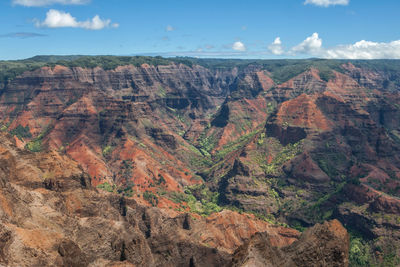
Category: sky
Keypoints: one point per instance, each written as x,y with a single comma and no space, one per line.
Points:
356,29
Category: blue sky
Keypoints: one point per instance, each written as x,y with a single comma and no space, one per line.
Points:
218,28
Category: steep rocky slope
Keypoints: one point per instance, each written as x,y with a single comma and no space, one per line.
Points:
312,249
50,215
293,142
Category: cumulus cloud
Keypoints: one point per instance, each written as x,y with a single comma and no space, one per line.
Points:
327,3
239,46
61,19
169,28
276,47
311,45
48,2
365,50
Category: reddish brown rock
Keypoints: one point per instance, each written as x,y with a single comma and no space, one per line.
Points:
50,215
321,245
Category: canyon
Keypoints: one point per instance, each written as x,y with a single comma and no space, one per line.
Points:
114,161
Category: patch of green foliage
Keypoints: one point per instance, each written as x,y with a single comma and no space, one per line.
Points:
112,62
127,190
107,150
206,144
34,145
320,209
287,153
11,69
151,198
199,199
161,180
362,253
4,126
21,132
331,160
326,197
161,91
106,187
359,254
261,138
126,169
297,225
234,146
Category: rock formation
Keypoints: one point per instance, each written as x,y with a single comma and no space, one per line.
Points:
294,143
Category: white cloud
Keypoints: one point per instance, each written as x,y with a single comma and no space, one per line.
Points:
61,19
169,28
239,46
49,2
365,50
276,47
327,3
311,45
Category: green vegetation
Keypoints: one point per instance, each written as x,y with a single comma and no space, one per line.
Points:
284,155
11,69
4,126
364,253
199,199
161,180
21,132
359,254
281,70
261,138
34,145
237,144
329,163
107,150
127,190
112,62
106,187
327,196
151,198
161,91
206,144
126,169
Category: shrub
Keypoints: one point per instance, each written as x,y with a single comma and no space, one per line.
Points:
34,146
107,150
21,132
151,198
359,253
106,187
